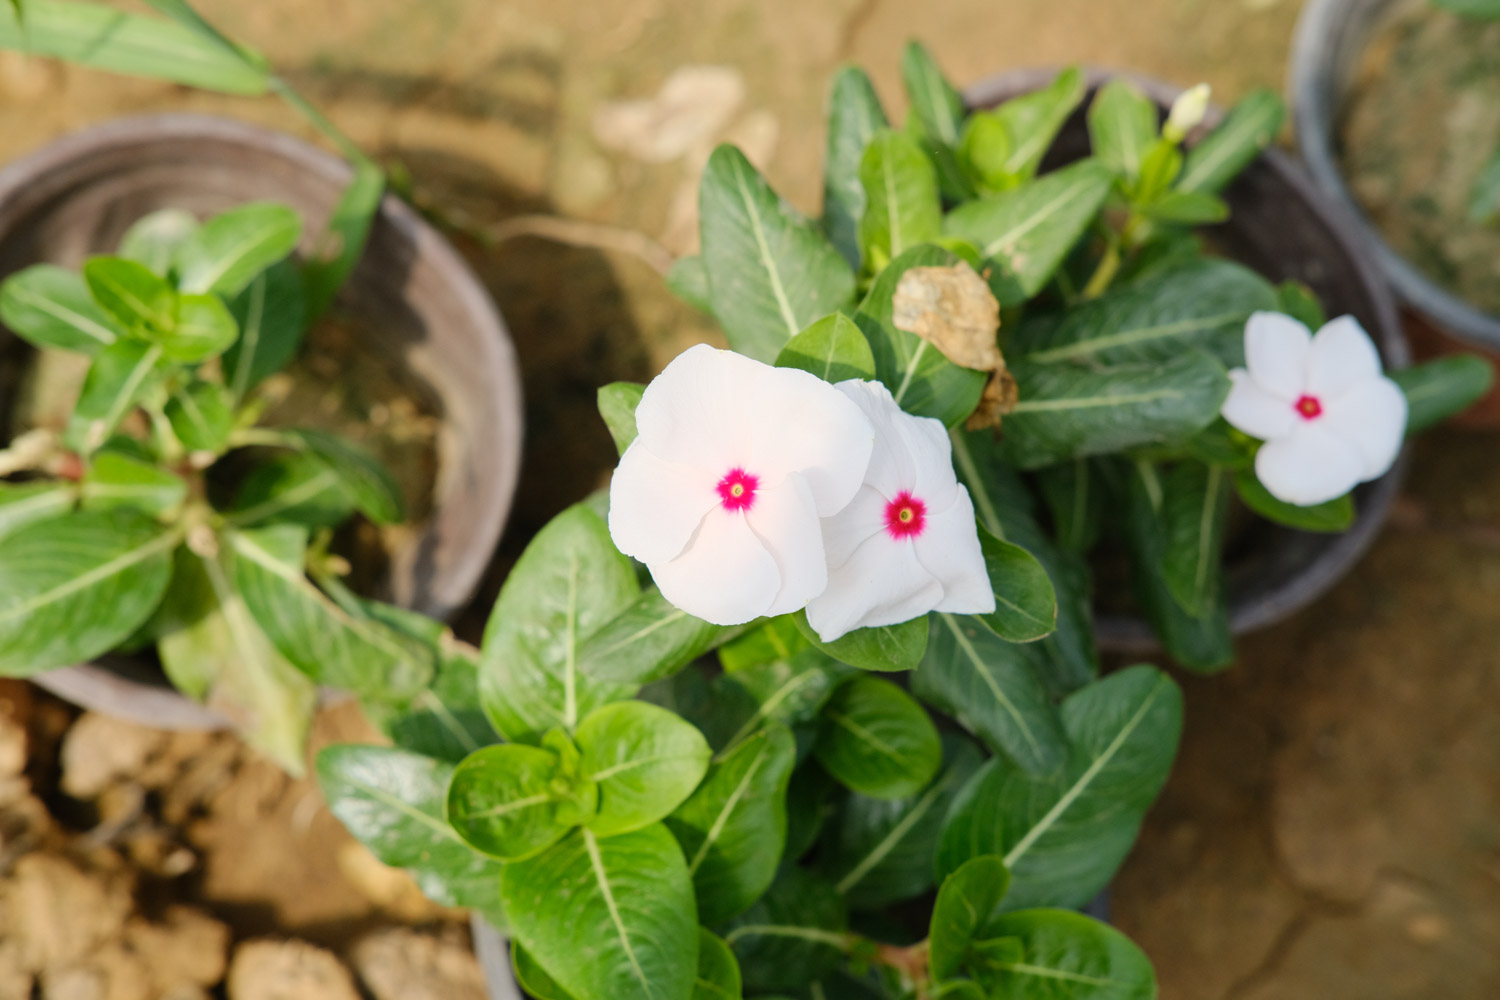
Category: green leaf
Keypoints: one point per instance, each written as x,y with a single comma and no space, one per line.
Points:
885,648
1471,8
792,690
1187,208
291,488
228,251
938,106
1332,516
646,761
833,349
1202,303
446,721
271,313
965,900
1063,954
1249,127
1194,509
212,651
152,240
1075,500
1301,303
854,116
27,503
1064,835
771,271
1033,120
777,639
513,801
1025,603
103,37
1222,445
343,242
1069,411
75,586
363,477
114,480
984,151
1122,125
718,972
1484,198
902,208
733,826
878,851
1027,231
327,643
649,640
617,405
1160,168
202,416
876,740
688,280
794,935
205,328
570,581
1437,390
592,945
921,379
532,978
136,298
50,306
991,688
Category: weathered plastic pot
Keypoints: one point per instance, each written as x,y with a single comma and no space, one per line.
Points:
1283,227
415,300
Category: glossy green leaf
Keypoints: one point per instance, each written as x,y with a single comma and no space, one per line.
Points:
532,978
1248,128
617,405
343,243
1027,231
115,479
75,586
202,416
228,251
833,349
1068,411
291,488
1437,390
809,804
325,641
771,271
792,690
902,208
688,280
1076,501
879,851
1187,208
921,379
570,581
362,476
733,826
718,971
512,801
1033,120
649,640
627,927
854,116
205,328
1122,125
991,688
1056,954
1202,303
50,306
938,106
1064,835
965,901
1332,516
152,240
136,298
884,648
105,37
446,721
646,761
876,740
984,151
271,312
777,639
1194,510
26,503
1025,603
795,934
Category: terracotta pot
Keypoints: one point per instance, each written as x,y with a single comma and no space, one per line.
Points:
420,305
1282,227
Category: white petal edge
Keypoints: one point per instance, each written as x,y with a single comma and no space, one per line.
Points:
1276,348
948,548
785,519
1256,411
1342,358
655,505
881,584
1308,466
694,412
1371,419
801,424
724,576
851,527
891,468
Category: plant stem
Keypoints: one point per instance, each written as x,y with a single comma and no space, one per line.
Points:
347,146
1109,266
250,436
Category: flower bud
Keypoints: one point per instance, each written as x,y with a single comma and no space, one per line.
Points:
1186,114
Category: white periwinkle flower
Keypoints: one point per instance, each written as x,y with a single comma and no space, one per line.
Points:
721,493
1187,113
1328,416
907,543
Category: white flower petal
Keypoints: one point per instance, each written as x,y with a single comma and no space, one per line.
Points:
1308,466
1342,357
655,506
698,411
948,548
801,424
1370,418
785,518
852,526
881,584
911,453
1256,411
724,576
1276,349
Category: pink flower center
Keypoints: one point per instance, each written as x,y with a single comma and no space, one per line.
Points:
905,516
737,489
1310,407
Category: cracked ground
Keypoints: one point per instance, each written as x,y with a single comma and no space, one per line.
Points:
1332,829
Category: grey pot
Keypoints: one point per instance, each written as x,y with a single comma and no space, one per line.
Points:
425,309
493,952
1326,51
1282,227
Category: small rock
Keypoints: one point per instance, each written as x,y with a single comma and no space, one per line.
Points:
15,980
113,973
693,106
99,750
404,964
288,970
59,915
186,947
